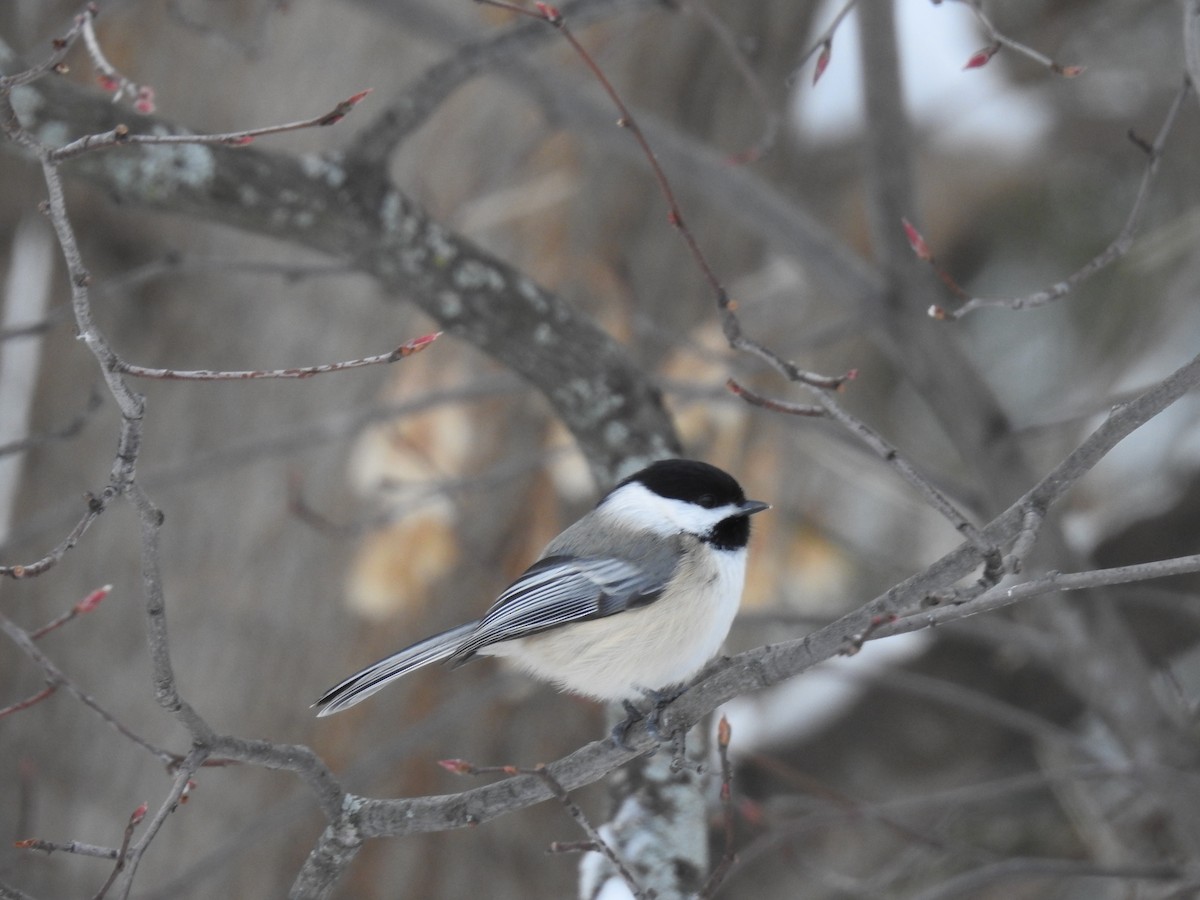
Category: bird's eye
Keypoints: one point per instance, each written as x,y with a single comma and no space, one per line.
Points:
708,501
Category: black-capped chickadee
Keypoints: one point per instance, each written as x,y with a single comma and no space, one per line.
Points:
633,598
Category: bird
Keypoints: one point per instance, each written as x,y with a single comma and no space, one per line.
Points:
631,600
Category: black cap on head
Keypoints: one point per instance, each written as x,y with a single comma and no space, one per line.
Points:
690,480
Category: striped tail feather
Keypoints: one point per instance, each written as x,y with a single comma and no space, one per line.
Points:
363,684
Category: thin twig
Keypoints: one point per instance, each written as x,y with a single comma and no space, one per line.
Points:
1052,582
96,504
597,841
727,306
408,348
821,385
55,677
111,79
823,43
86,605
31,700
135,819
69,847
415,103
178,794
889,454
781,406
121,135
999,39
1119,246
54,62
590,830
549,14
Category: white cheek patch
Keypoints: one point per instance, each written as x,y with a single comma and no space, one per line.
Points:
637,507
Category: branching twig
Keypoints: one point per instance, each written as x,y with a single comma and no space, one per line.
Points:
888,454
135,819
1119,246
999,39
1052,582
111,79
56,678
727,306
596,841
54,62
96,504
594,836
820,385
181,787
420,99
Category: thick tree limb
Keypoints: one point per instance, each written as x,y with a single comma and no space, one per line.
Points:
611,408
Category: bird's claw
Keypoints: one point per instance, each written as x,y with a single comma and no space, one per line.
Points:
652,717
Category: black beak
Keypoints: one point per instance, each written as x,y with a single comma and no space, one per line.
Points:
750,507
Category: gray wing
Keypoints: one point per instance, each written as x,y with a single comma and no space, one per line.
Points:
558,590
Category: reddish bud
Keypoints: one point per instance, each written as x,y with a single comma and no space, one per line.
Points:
822,60
25,844
92,600
919,247
724,732
1068,71
549,13
981,58
144,101
186,793
416,345
456,766
241,140
339,112
107,82
938,312
139,814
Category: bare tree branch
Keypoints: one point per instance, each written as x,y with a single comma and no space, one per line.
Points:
612,409
1119,246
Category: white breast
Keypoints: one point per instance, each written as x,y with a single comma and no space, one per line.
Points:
663,644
